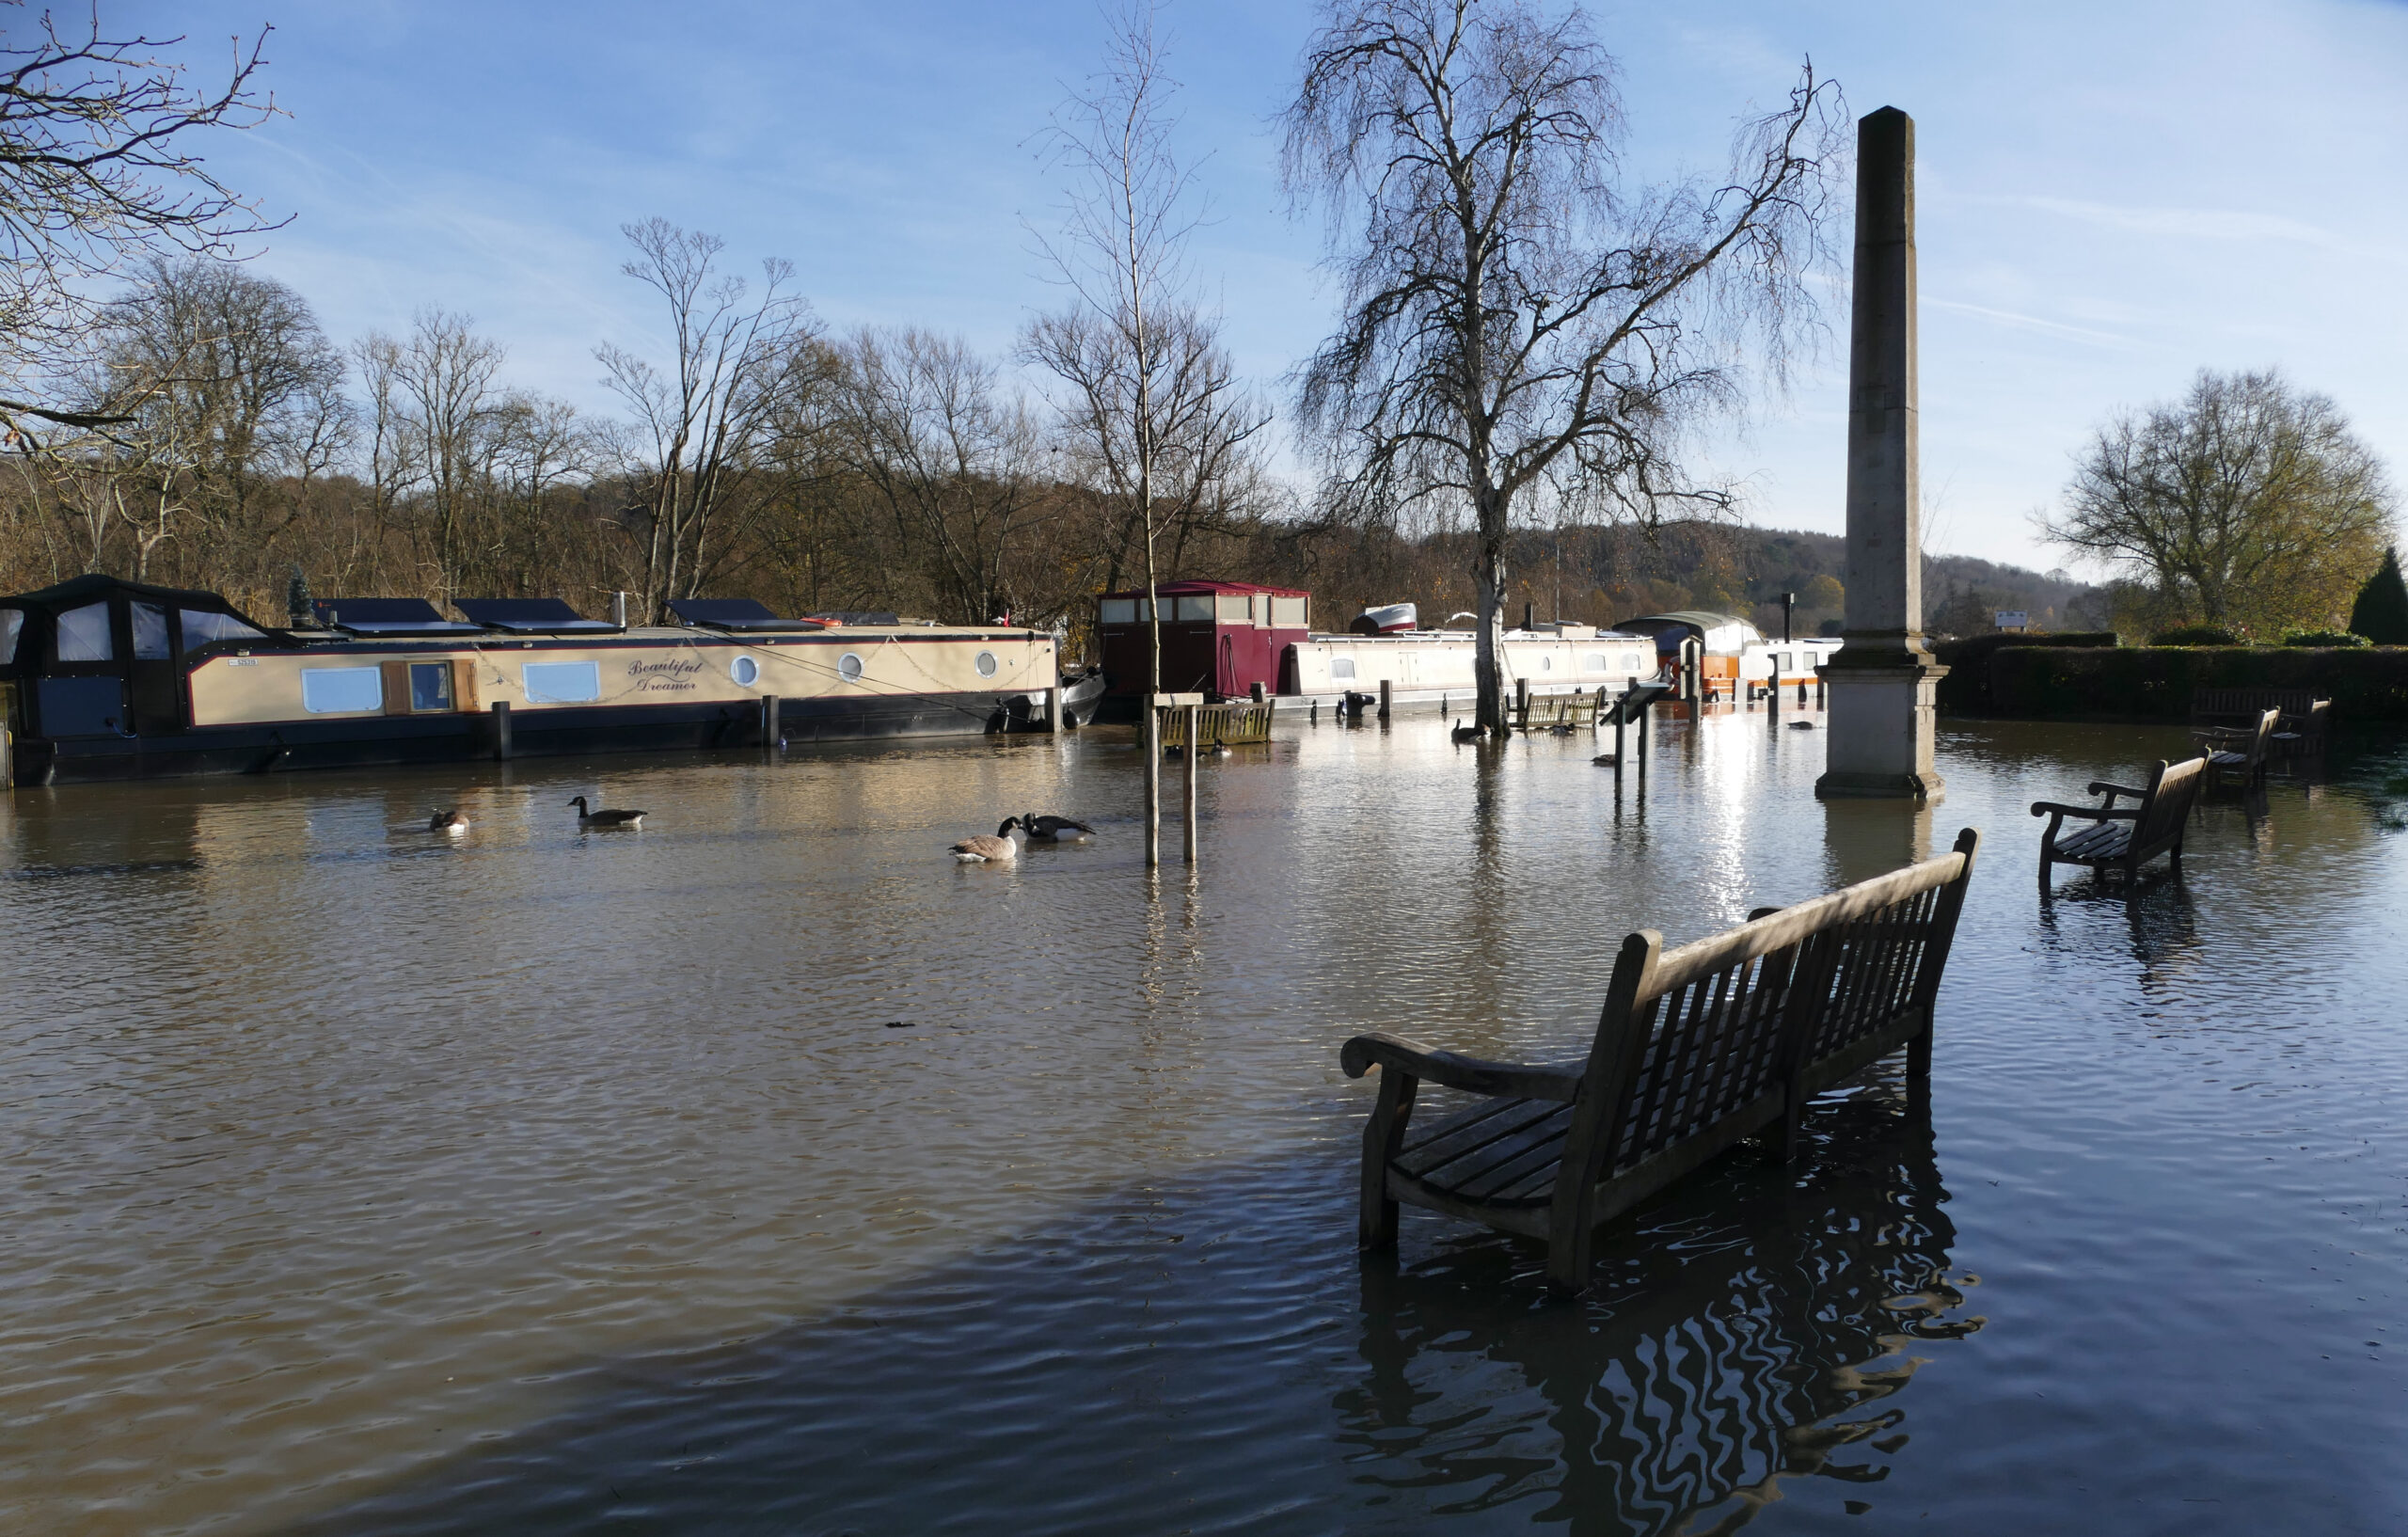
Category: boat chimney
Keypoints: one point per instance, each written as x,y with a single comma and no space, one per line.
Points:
619,610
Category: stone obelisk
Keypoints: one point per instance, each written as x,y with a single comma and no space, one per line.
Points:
1883,680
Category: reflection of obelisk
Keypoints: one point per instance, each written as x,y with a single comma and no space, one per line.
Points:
1883,680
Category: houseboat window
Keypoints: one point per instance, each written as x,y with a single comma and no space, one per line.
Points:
986,664
12,621
745,671
1117,610
1195,609
1234,609
200,627
849,667
1288,612
430,686
150,632
562,682
1546,664
1631,661
1594,663
342,690
84,634
1341,667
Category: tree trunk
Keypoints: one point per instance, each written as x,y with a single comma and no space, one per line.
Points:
1488,578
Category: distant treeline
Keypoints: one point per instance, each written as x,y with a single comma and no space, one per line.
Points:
764,458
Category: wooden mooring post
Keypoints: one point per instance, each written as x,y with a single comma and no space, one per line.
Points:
769,721
1384,686
501,730
1153,753
1194,719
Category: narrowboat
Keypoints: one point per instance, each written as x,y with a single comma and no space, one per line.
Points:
103,678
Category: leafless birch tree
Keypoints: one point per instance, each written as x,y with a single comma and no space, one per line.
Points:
696,421
1519,323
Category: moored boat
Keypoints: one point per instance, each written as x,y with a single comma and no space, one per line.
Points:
113,679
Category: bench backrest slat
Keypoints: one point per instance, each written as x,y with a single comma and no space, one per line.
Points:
1689,1036
2173,788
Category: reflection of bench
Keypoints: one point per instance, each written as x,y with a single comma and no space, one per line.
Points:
2124,839
2300,731
1697,1047
2238,756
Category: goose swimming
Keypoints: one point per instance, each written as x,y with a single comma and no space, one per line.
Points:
1055,830
606,817
999,850
450,821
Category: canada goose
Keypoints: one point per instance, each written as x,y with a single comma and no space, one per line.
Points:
606,818
1604,759
450,821
999,850
1223,750
1055,830
1801,725
1469,733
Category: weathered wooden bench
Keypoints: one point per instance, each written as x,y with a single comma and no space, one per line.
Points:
1697,1047
2236,756
2300,731
2126,838
1553,712
1234,725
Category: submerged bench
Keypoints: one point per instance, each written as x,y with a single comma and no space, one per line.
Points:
2124,838
1697,1047
2236,756
2301,730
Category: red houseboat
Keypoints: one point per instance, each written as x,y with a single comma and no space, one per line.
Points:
1218,638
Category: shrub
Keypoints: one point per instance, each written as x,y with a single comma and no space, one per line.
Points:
2381,613
2324,638
2196,635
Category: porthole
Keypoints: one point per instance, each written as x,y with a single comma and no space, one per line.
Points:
1546,664
744,669
986,664
849,667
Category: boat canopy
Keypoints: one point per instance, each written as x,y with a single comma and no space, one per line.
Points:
90,621
1723,634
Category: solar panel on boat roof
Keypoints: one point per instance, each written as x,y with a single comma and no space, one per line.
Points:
529,615
734,613
387,616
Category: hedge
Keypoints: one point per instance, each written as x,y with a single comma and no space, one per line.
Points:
1966,689
2155,683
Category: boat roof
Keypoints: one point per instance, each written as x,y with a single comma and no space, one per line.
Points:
77,592
1197,588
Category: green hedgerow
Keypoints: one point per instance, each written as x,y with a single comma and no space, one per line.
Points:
2325,638
2196,635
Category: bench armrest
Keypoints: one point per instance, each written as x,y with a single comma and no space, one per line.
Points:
2100,787
1517,1079
2096,814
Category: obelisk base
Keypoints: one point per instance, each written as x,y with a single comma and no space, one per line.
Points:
1879,731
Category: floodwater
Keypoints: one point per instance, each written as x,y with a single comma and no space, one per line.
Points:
764,1171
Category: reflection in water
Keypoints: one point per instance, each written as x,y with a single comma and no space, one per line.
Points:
1750,1327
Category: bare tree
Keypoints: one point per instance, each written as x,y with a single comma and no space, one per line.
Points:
948,457
97,171
2249,505
1149,397
696,424
1518,324
433,407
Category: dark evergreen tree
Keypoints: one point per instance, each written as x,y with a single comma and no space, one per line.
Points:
297,597
2381,613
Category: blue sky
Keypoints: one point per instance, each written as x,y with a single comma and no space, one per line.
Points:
2112,196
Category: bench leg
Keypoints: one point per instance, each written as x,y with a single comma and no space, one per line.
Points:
1919,1057
1568,1257
1382,1137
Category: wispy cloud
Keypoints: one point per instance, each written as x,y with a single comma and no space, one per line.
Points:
2033,323
2207,223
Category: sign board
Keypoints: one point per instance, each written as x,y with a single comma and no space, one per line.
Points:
2012,618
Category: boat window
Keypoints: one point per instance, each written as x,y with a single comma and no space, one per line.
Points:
562,682
150,632
1234,609
986,664
1630,662
849,667
84,634
1341,667
1546,664
1596,662
430,686
1288,612
12,623
1193,608
1117,610
745,671
342,690
201,626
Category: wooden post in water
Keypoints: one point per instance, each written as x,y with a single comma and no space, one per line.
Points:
1153,750
501,730
1383,699
1522,701
1772,697
1195,739
7,758
769,721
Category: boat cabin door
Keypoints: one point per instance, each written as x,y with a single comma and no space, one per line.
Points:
154,681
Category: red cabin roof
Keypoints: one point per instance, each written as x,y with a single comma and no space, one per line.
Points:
1198,589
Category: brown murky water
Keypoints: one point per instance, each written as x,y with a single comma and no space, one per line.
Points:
549,1181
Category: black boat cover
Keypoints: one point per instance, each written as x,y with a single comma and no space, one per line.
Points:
387,616
736,613
531,616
